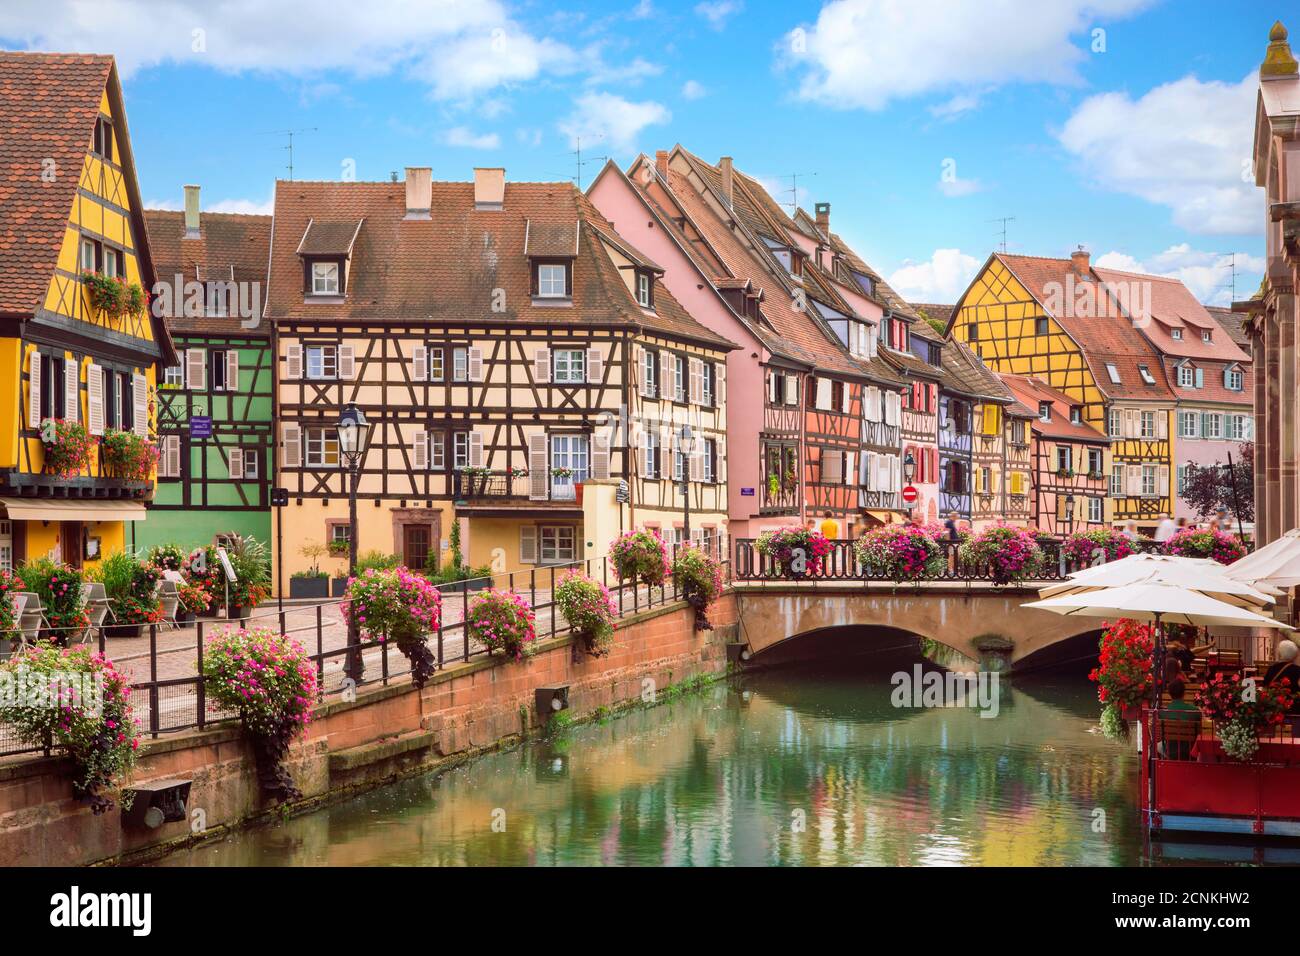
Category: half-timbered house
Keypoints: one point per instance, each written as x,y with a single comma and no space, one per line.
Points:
516,357
215,437
70,206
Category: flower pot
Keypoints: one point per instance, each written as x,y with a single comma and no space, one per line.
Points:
338,587
184,618
6,649
1131,711
212,610
577,493
122,630
315,587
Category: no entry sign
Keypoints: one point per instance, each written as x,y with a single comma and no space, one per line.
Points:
910,494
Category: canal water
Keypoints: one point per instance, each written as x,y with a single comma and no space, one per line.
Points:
811,764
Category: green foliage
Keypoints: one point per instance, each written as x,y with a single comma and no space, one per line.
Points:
169,557
130,586
61,590
377,560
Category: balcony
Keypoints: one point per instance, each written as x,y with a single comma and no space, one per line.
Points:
780,497
511,487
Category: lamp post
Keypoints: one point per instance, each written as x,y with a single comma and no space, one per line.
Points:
909,471
1069,512
353,435
686,442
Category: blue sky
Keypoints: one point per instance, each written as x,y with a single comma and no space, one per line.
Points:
920,121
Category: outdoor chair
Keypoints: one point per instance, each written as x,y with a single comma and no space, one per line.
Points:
1177,736
32,619
171,601
97,608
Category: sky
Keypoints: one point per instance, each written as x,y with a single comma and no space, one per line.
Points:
1123,126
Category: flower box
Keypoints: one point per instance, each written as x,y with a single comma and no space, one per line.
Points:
316,586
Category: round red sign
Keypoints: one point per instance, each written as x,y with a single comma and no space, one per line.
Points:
910,494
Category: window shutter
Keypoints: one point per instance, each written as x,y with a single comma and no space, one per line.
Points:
538,474
236,463
849,463
95,399
34,389
527,544
542,366
773,387
1226,373
846,398
291,439
1132,479
666,443
476,365
695,463
823,399
791,390
832,466
1162,424
420,363
420,450
140,405
869,404
595,366
694,381
232,370
667,385
293,361
896,474
172,459
476,449
196,369
347,363
71,389
1200,378
600,464
644,448
1163,479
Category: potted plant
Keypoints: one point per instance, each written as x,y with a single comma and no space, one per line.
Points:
131,587
1096,546
641,555
1123,673
192,600
795,552
503,622
901,552
1208,543
62,593
252,567
1240,716
698,578
67,447
400,605
113,295
271,682
10,584
92,723
338,548
203,569
313,582
1011,555
127,455
166,557
588,608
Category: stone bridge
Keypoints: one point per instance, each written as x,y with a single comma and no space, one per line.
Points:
985,625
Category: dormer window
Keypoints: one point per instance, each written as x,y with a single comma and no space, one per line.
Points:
1186,376
1176,334
1045,411
1113,373
103,138
551,280
644,295
1076,415
324,278
1147,377
1206,336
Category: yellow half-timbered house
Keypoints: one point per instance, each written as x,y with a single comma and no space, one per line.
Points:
1059,321
525,373
69,205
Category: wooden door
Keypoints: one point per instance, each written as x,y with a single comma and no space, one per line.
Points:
70,543
415,545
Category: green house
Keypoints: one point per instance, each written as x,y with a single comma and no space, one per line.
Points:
215,408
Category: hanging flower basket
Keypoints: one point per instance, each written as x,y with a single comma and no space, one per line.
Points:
1085,548
113,295
503,622
698,577
128,456
587,606
394,603
795,552
67,447
1208,543
641,555
898,553
1011,555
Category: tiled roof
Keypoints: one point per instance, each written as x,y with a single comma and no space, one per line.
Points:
1162,304
48,106
938,313
970,376
229,247
450,266
326,238
558,239
1231,322
1105,340
1033,392
1213,387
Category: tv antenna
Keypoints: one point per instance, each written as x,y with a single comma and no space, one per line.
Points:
290,133
794,188
1004,220
577,152
1232,274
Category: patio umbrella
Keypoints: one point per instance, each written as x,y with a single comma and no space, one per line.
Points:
1277,564
1157,601
1202,575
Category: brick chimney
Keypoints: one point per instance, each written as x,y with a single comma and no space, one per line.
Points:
823,210
192,222
489,187
727,175
1080,260
661,164
419,192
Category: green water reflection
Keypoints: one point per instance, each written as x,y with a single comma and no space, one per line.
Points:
727,776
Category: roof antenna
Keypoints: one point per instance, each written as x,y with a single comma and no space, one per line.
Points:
290,134
794,189
1004,220
577,141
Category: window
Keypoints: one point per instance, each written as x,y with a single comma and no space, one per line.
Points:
709,385
973,333
643,285
1148,480
1212,425
460,365
217,369
1180,476
710,460
1116,481
322,447
124,388
552,281
437,451
1045,411
1239,426
1234,380
1094,461
340,533
1113,372
324,278
89,255
1147,377
570,366
460,450
1176,334
1206,336
1113,426
649,373
112,401
1017,432
322,361
1040,325
567,452
112,262
1076,415
1186,376
1148,424
436,368
1189,425
174,375
652,469
250,464
1064,460
103,144
679,378
555,544
1094,510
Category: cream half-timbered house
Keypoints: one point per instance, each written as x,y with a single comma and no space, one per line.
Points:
495,336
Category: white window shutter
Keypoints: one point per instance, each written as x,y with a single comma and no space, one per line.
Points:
232,370
667,441
293,361
695,388
236,463
172,457
476,449
291,439
846,398
538,467
847,477
823,399
773,387
1163,480
95,399
347,363
476,365
832,467
667,382
196,369
600,456
420,450
527,544
34,389
646,466
140,405
420,363
595,366
1133,479
791,390
542,366
72,390
1162,424
695,464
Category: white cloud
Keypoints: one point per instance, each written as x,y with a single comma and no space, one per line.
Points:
943,277
693,90
460,49
717,12
956,187
529,136
611,120
463,136
956,106
632,72
246,206
1185,145
1208,275
865,53
642,11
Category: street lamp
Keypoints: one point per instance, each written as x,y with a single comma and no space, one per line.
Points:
686,442
1069,511
909,470
353,435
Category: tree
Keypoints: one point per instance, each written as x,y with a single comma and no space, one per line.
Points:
1211,487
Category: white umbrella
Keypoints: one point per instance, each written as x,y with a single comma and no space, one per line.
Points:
1155,601
1203,575
1277,564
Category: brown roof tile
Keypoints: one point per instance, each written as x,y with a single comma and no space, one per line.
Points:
1033,392
326,238
1232,323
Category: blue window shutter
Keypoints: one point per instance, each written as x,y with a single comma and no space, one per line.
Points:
1225,378
1200,378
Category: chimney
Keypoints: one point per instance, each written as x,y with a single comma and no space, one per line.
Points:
419,192
191,212
661,164
725,165
1080,261
489,187
823,210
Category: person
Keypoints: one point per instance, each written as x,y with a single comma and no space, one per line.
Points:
1222,522
1164,528
830,527
1284,666
1186,655
1180,525
1173,669
1179,709
954,533
1131,531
